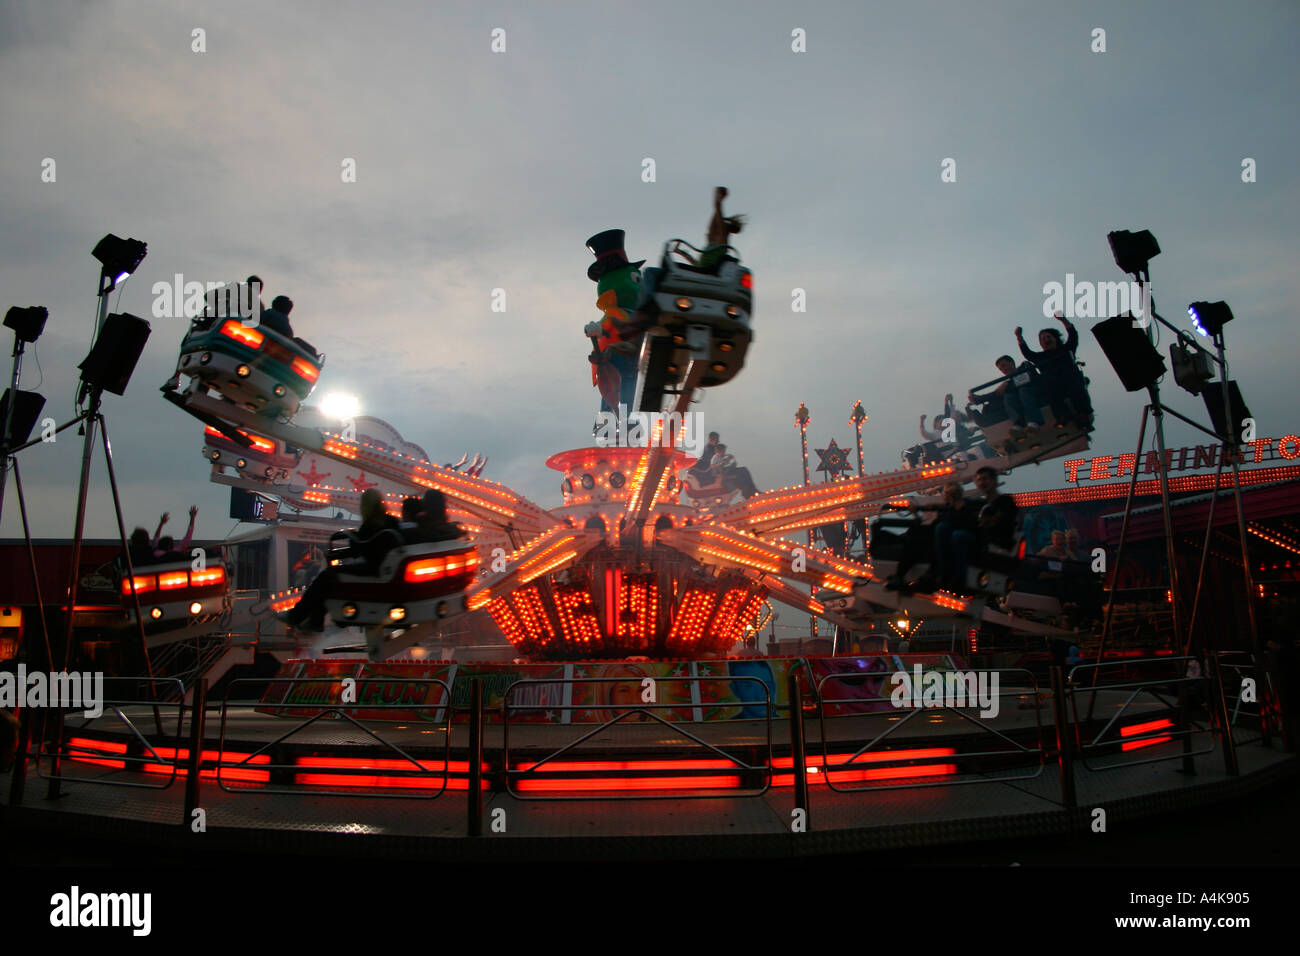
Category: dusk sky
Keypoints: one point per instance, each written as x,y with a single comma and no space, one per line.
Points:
479,170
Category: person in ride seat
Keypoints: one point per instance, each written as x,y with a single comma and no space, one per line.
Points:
717,236
1062,382
309,613
721,229
723,468
433,523
409,523
276,318
1000,516
956,530
374,519
167,549
701,467
141,547
1017,399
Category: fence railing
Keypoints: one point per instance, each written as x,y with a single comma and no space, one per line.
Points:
721,774
150,752
401,775
875,760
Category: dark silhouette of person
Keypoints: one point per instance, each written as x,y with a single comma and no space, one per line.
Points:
276,318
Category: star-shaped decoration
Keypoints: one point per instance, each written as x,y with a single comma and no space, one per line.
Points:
834,460
360,484
313,476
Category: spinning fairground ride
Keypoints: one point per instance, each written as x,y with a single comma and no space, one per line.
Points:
623,567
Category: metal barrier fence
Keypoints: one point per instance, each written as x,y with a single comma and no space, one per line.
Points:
534,775
872,762
148,757
383,775
1246,711
538,774
1171,722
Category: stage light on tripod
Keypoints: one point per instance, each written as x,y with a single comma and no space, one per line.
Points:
27,323
1209,318
1133,250
119,257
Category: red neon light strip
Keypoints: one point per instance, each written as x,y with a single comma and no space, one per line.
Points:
643,783
1132,730
859,776
228,772
96,747
1139,744
579,765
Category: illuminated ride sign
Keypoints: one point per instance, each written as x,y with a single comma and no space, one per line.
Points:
1181,459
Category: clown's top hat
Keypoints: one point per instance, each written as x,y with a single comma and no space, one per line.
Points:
607,247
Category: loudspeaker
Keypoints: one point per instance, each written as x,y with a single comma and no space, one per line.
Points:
1130,352
27,323
112,358
26,411
1213,395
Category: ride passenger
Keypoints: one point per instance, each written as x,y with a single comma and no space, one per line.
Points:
141,547
1017,399
724,468
955,535
1062,382
701,467
166,548
276,318
433,524
309,613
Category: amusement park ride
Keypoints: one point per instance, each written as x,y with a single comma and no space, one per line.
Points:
622,567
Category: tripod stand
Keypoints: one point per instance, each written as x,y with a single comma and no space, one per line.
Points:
1156,410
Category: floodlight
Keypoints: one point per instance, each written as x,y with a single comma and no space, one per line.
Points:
119,257
27,323
1133,250
1209,317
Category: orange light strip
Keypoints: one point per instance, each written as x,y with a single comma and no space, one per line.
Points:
748,561
1119,489
305,369
949,601
242,334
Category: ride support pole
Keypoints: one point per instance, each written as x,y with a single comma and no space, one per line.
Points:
475,796
797,750
1219,707
198,714
1064,742
18,779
